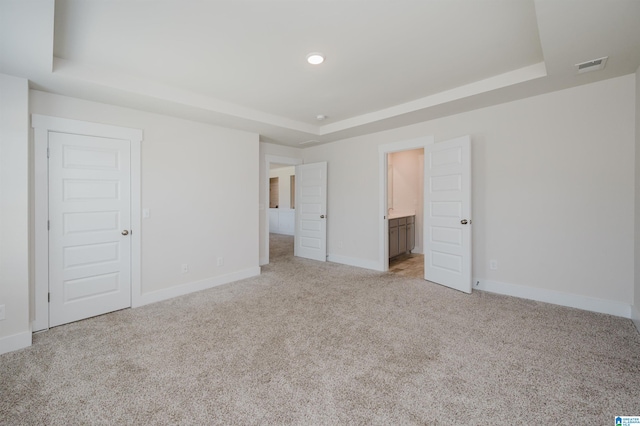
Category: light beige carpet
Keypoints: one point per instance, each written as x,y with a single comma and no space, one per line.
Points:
313,343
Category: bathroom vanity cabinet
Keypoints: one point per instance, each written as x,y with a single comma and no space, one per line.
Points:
402,235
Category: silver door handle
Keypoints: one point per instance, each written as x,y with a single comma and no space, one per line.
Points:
321,216
125,232
464,221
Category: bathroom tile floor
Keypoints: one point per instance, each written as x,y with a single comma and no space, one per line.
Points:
408,265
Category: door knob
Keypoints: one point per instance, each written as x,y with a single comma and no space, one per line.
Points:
464,221
321,216
125,232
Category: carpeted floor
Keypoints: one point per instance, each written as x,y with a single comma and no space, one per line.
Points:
315,343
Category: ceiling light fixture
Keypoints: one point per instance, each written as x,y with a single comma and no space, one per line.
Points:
321,117
315,58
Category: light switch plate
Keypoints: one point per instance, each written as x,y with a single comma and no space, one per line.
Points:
145,213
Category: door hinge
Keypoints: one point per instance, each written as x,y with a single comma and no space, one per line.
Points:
47,152
49,297
48,225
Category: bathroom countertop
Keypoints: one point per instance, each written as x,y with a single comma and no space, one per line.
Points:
396,215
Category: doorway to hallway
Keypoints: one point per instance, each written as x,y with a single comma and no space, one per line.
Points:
270,216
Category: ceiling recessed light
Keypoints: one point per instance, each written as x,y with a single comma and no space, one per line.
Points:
315,58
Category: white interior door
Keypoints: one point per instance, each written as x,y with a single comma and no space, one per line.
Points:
311,214
90,226
447,259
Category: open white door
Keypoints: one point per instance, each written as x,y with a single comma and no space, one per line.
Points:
90,219
311,211
447,259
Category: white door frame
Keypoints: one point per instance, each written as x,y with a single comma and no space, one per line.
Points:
268,159
383,226
42,125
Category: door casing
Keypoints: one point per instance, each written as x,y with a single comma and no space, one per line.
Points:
42,125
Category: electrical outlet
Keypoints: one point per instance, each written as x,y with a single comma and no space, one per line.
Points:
2,312
493,264
185,268
221,261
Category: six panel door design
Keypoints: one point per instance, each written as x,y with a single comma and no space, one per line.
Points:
311,206
447,214
90,224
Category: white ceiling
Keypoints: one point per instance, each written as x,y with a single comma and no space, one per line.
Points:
388,63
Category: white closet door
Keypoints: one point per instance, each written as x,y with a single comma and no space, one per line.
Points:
90,225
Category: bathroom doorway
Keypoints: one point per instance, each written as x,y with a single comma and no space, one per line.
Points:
389,179
405,204
446,209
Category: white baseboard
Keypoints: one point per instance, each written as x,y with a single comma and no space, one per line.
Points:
352,261
635,316
263,261
181,290
15,342
586,303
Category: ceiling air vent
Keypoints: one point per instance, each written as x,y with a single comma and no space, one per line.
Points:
593,65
